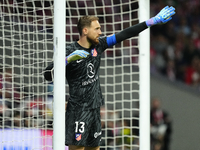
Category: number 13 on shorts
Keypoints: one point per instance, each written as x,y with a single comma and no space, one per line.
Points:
80,128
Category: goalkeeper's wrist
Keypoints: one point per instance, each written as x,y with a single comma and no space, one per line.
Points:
66,61
150,22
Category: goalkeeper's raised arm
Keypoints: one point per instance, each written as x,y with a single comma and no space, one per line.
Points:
162,17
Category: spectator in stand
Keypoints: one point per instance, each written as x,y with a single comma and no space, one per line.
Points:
160,126
191,74
170,70
182,36
125,135
8,91
183,27
17,119
4,115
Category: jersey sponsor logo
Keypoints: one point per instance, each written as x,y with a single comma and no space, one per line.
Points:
94,52
90,81
97,134
91,74
78,137
90,70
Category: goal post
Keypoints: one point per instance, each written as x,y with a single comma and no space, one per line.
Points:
144,90
59,75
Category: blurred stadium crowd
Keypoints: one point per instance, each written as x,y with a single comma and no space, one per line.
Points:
175,46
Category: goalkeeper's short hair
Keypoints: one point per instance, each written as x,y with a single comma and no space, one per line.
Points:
85,21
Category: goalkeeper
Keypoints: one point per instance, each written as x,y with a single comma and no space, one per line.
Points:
83,120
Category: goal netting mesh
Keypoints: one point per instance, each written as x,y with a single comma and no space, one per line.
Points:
26,37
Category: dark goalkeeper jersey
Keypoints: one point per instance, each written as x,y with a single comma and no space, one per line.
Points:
83,77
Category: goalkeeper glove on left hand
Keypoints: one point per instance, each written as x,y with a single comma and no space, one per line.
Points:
78,54
162,17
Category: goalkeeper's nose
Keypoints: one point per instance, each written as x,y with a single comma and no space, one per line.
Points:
100,32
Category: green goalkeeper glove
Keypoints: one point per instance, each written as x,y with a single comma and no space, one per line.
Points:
78,54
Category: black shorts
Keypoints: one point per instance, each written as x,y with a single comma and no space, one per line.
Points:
83,128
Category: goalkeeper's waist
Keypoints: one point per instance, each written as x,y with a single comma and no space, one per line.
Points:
80,106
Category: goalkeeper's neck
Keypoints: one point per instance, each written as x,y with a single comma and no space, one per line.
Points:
83,41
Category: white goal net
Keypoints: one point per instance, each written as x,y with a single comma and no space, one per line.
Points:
26,37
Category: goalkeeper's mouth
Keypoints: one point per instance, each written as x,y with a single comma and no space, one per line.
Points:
97,40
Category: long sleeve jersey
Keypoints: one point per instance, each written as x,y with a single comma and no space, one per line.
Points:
83,74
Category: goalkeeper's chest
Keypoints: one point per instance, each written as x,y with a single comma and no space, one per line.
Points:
89,65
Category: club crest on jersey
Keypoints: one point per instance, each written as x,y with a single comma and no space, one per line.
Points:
94,52
78,137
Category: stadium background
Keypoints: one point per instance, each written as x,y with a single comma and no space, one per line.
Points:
175,69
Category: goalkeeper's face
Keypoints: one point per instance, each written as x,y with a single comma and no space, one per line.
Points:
94,31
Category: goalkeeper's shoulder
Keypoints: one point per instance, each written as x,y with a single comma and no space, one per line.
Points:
70,48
